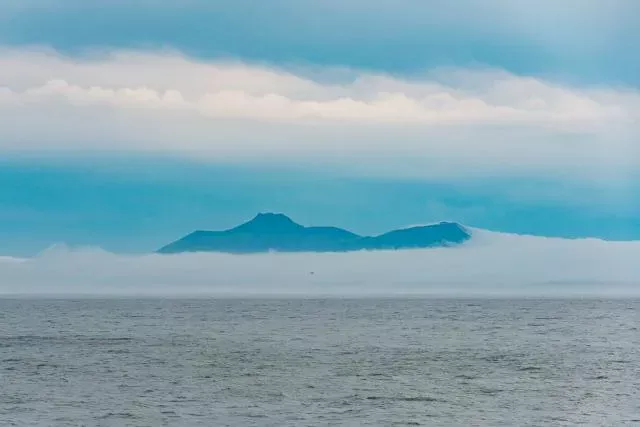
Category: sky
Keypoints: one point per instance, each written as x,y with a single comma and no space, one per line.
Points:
127,124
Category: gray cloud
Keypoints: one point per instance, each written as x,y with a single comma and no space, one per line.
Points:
581,39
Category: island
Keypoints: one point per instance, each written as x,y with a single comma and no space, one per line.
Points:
276,232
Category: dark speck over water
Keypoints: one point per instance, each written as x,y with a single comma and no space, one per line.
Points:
313,362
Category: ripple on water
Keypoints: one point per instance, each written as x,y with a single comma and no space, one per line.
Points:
304,362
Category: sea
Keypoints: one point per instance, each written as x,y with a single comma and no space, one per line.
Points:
319,362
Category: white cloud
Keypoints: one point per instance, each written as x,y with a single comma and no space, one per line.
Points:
159,103
8,259
491,264
237,91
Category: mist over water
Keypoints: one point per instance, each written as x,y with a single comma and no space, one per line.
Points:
491,264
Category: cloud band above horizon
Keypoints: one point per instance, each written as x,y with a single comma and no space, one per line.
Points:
483,120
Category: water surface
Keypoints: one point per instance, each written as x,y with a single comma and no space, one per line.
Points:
318,362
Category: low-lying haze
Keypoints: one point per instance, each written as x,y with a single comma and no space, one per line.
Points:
491,264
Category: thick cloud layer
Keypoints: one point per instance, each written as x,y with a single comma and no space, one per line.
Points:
479,121
584,40
238,91
491,264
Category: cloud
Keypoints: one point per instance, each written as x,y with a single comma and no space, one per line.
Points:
584,40
442,122
491,264
237,91
7,259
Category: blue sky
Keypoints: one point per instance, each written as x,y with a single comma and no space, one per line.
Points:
127,124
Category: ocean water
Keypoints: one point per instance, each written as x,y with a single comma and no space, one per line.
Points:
319,362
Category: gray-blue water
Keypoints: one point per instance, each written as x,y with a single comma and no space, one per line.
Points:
121,362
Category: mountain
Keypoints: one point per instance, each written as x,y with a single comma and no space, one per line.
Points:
277,232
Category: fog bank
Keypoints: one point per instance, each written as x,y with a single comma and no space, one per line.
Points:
491,264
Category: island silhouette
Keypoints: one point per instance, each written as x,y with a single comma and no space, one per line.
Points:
268,232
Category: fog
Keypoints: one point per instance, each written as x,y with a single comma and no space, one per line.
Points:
491,264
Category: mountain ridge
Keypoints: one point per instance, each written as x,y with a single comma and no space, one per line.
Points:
277,232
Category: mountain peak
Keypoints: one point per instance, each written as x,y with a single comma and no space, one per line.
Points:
271,216
269,231
269,221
